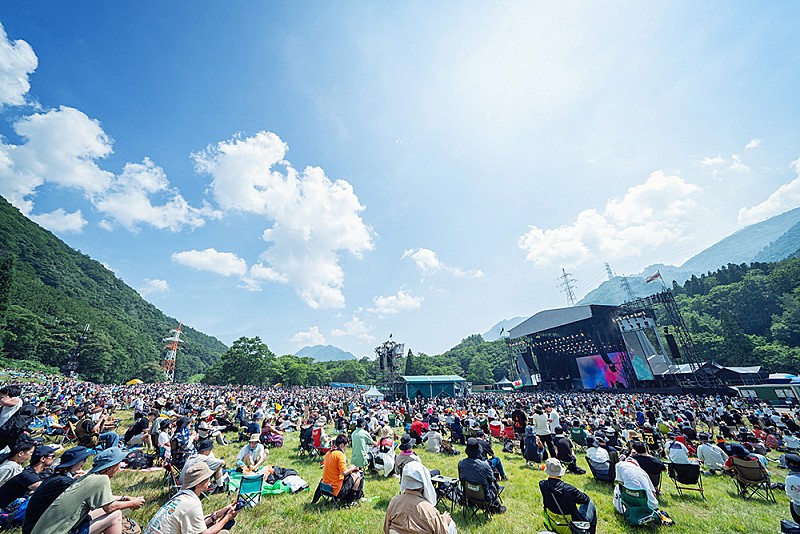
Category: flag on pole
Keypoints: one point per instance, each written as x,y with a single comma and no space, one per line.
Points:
657,275
517,383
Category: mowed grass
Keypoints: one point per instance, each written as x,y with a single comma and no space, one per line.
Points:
722,512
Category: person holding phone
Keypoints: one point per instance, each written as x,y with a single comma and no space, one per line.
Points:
183,514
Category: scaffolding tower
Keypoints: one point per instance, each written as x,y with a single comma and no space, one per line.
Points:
172,352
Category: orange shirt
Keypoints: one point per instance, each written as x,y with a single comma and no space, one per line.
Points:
334,465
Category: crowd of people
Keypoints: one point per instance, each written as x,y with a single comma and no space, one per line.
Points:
628,439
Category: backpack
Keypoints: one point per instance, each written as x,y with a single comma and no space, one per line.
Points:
139,460
17,425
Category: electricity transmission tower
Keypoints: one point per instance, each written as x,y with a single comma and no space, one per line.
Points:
567,286
172,352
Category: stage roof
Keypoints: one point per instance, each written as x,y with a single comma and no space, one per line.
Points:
548,319
426,379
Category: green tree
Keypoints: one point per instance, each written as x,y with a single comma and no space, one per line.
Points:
247,362
480,372
151,372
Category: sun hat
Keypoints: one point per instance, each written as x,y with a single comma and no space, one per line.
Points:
254,437
473,448
196,474
416,476
107,458
205,445
73,456
792,462
405,443
553,468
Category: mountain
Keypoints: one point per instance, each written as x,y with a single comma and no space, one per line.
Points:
772,240
493,333
325,353
49,291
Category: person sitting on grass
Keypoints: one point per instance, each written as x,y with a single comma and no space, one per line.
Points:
532,447
68,469
414,510
21,452
433,439
712,456
139,432
406,455
87,506
488,454
562,498
475,470
205,453
183,513
345,480
253,455
29,478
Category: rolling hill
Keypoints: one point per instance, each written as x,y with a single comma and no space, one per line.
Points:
325,353
49,291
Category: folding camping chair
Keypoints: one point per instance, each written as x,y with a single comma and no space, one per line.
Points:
473,500
686,477
171,479
600,476
250,490
325,491
752,479
637,511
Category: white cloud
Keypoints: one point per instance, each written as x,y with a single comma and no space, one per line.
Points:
224,263
62,147
753,143
310,337
737,165
60,221
713,162
428,262
127,200
401,302
153,286
649,215
354,327
259,273
17,62
785,198
312,219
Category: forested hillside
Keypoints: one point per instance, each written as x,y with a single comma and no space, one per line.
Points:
746,314
48,292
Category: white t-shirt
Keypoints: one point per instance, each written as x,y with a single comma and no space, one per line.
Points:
9,470
598,455
555,420
712,456
678,453
540,424
793,487
183,514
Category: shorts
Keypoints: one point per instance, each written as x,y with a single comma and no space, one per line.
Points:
82,528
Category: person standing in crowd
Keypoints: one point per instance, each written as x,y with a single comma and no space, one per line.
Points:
542,427
183,513
562,498
520,422
87,506
361,441
414,510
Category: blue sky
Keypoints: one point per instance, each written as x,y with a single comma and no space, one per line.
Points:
336,172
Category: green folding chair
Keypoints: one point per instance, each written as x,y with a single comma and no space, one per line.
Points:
250,490
637,511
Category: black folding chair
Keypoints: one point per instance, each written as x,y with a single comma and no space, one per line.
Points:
686,477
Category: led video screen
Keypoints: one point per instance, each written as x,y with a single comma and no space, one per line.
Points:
595,373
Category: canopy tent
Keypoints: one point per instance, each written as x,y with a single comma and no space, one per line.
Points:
133,382
374,394
432,386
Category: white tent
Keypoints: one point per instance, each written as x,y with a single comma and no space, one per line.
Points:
374,394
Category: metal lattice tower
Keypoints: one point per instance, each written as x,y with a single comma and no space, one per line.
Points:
675,319
567,287
172,352
387,353
609,272
627,287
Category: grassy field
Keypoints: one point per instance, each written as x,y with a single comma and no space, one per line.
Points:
723,512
